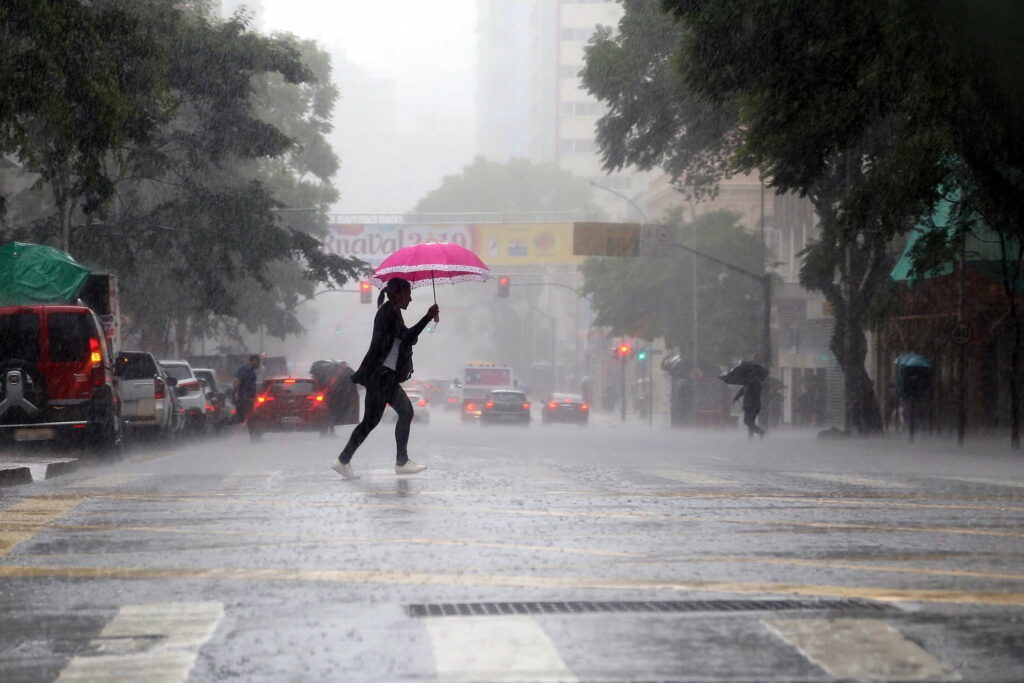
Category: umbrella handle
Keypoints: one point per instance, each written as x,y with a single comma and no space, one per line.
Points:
432,287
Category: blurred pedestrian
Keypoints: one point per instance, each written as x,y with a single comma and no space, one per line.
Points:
245,387
388,363
751,395
343,397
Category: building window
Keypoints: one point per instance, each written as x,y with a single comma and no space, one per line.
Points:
581,109
570,146
576,33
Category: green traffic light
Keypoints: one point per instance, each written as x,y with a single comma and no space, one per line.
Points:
642,355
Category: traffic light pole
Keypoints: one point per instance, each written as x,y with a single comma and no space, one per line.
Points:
622,388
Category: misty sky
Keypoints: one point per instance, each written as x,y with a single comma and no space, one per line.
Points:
429,48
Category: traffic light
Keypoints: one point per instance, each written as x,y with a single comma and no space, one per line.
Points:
623,350
503,287
641,355
365,292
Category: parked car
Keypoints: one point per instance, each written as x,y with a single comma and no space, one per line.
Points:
566,408
222,412
57,377
190,393
505,407
147,403
286,404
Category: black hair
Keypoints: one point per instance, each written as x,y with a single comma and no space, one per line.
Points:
393,288
253,357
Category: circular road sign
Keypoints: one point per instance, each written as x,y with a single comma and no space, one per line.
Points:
962,333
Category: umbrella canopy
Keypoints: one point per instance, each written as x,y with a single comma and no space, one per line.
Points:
912,360
432,263
36,273
747,371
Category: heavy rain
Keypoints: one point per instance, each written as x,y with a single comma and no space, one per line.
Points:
511,340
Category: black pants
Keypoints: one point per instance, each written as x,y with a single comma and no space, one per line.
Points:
380,391
750,419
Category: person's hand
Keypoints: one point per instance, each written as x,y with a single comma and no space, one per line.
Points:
434,312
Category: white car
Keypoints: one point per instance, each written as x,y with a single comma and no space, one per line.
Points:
189,390
420,406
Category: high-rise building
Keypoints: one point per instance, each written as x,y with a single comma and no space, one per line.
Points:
530,98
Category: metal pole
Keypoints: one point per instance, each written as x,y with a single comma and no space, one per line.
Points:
650,387
622,408
961,426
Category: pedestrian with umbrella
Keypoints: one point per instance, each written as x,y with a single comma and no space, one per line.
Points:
751,376
388,361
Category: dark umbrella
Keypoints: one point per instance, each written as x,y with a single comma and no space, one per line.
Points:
744,373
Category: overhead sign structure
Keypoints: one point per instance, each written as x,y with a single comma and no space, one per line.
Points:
655,240
606,239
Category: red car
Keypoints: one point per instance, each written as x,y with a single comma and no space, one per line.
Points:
288,404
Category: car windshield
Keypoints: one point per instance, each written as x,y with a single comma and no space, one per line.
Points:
568,398
507,397
292,387
19,336
208,376
135,366
178,372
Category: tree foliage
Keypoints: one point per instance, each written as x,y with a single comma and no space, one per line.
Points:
516,186
653,297
198,229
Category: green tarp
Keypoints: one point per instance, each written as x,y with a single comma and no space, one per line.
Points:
38,274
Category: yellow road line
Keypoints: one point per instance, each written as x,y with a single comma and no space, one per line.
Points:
877,593
337,539
24,519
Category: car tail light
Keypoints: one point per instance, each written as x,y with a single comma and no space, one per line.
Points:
264,399
553,405
318,398
422,402
489,405
289,381
95,351
159,388
526,406
452,399
584,406
470,407
209,408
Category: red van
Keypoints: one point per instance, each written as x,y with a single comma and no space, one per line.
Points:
56,377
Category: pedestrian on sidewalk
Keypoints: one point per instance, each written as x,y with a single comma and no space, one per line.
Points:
751,395
388,363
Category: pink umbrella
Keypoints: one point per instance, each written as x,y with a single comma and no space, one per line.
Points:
430,263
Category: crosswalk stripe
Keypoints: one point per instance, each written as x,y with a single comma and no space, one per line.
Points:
853,480
695,478
511,648
156,642
860,649
24,519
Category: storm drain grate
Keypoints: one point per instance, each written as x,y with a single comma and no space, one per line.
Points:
476,609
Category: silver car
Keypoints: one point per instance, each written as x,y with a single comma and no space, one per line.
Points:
191,394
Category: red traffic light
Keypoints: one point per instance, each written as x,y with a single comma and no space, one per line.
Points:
623,350
503,283
365,292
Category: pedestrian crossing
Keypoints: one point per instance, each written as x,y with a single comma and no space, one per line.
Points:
161,642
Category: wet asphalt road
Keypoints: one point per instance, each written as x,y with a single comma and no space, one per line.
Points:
661,555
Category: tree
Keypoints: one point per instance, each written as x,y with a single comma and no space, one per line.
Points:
653,297
517,186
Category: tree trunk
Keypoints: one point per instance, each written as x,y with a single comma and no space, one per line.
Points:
849,344
1015,377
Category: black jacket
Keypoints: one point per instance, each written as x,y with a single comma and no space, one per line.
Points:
388,326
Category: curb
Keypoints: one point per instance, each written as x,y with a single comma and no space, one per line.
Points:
13,475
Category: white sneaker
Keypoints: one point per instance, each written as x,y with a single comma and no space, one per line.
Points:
345,471
409,467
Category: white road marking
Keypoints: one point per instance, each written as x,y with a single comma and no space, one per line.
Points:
156,642
860,649
694,478
538,475
853,480
109,480
513,648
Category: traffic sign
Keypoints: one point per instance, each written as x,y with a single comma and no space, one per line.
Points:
605,239
962,333
655,240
